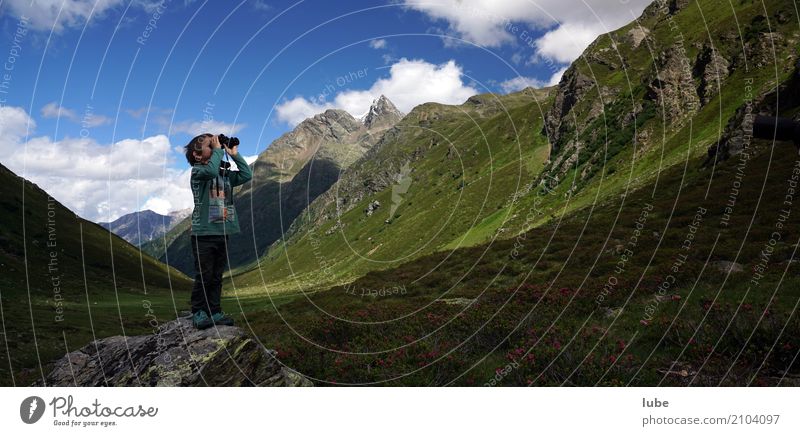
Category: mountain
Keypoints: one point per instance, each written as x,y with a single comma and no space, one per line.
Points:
442,176
144,225
652,242
68,279
287,176
382,114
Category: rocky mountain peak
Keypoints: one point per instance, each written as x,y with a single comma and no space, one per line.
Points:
382,113
332,120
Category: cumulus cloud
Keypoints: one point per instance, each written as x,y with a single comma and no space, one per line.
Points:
569,26
410,83
567,41
61,14
100,182
15,123
88,119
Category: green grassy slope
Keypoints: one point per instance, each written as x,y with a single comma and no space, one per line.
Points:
553,304
65,276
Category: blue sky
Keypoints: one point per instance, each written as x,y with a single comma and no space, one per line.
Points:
99,95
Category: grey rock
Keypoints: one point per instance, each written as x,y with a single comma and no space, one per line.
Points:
372,207
672,88
713,69
177,354
726,266
636,35
382,114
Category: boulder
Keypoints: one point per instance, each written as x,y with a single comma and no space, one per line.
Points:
177,354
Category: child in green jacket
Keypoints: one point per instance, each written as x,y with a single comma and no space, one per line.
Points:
213,220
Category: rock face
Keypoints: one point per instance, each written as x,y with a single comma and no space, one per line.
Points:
574,86
176,355
673,86
713,69
382,114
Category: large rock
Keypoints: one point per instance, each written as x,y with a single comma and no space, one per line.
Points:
572,88
176,355
672,88
712,69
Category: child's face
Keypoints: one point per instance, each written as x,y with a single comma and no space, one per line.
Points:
202,151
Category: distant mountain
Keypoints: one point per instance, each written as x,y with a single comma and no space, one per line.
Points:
287,176
144,225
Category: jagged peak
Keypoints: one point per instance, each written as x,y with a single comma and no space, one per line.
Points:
381,111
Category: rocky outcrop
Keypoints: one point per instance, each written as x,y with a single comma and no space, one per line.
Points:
574,86
676,6
712,69
176,355
636,35
672,89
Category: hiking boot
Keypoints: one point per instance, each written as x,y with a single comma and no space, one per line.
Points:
220,318
201,321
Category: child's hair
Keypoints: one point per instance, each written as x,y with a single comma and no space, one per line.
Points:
189,148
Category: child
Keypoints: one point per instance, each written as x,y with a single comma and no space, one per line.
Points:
213,219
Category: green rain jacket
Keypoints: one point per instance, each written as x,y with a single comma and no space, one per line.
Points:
212,188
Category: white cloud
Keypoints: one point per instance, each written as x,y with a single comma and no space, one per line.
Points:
261,6
99,182
566,42
248,159
88,120
14,123
194,128
556,77
61,14
572,25
377,44
519,83
410,83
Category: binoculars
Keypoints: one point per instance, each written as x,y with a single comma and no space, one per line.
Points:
228,142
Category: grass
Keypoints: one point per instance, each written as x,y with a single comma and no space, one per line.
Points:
539,309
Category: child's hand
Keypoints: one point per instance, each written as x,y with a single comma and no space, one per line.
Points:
233,151
215,142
